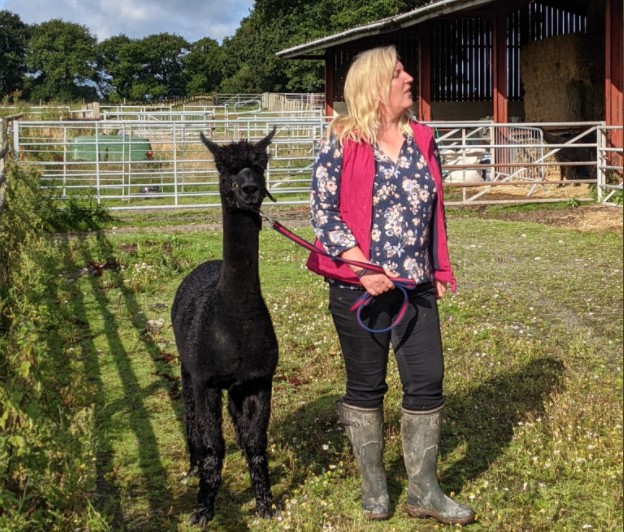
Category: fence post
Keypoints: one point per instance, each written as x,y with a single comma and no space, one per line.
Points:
175,165
601,177
4,150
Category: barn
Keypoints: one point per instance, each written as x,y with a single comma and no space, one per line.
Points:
508,60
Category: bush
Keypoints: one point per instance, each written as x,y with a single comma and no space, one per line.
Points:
46,418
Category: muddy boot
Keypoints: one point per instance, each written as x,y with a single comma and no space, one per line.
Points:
420,432
364,427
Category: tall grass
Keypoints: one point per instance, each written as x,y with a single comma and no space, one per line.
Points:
47,438
93,434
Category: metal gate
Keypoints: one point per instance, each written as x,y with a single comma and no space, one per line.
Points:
483,162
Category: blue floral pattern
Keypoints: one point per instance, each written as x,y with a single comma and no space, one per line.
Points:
404,194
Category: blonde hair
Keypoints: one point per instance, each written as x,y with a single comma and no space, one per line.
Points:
366,87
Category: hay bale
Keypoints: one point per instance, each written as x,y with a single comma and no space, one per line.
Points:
561,79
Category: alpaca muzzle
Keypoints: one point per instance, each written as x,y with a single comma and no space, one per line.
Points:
248,189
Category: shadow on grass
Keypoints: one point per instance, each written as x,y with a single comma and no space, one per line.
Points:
306,430
115,303
482,420
129,409
107,498
485,418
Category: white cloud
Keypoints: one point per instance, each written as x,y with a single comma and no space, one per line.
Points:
191,19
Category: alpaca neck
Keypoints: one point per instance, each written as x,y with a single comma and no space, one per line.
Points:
239,273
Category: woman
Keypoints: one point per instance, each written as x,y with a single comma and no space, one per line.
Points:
376,196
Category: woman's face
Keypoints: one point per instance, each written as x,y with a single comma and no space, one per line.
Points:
400,95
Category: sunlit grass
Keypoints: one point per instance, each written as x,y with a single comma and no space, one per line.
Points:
532,437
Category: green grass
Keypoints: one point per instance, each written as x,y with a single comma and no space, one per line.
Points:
532,437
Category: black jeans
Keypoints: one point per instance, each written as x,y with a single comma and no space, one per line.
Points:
416,342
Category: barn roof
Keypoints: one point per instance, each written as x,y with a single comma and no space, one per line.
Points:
314,49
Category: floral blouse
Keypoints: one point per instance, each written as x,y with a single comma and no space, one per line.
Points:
404,194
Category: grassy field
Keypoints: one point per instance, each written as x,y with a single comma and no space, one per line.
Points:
532,437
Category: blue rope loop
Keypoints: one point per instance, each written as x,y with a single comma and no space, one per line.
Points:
366,299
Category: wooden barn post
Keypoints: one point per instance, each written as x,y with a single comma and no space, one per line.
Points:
424,72
614,107
501,103
330,62
501,107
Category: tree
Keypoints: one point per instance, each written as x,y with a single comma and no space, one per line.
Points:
202,66
274,25
162,73
14,35
250,63
145,70
351,13
62,62
120,66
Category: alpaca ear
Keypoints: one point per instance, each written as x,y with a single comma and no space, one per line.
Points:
212,146
262,144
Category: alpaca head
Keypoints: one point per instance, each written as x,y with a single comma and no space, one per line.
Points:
241,167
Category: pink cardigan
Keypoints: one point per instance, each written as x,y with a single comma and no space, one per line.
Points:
356,204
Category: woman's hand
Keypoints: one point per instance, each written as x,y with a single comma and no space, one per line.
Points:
377,283
440,289
374,283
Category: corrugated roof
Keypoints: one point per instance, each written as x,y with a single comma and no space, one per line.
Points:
405,20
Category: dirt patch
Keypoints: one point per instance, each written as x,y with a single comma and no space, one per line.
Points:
582,218
585,218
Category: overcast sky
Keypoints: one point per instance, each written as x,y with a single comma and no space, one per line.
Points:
191,19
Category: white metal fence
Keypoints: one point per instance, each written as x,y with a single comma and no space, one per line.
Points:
489,162
483,162
100,158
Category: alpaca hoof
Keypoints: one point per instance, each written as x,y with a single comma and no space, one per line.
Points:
192,472
201,517
267,510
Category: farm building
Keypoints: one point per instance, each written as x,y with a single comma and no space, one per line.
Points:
511,60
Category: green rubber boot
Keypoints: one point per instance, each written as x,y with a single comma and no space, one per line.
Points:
420,432
364,428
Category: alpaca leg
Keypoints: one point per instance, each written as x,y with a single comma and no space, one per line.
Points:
250,410
210,453
193,440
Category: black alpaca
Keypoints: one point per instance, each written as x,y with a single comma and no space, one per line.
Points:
225,337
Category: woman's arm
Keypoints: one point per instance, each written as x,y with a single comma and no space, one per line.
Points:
328,225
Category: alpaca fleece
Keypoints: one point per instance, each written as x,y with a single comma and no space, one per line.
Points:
225,336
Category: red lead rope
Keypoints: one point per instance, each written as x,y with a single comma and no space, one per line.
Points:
365,299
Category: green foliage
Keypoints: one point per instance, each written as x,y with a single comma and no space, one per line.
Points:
14,35
65,63
121,63
618,197
62,62
573,202
162,57
145,70
251,64
47,442
202,66
273,25
79,215
350,13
